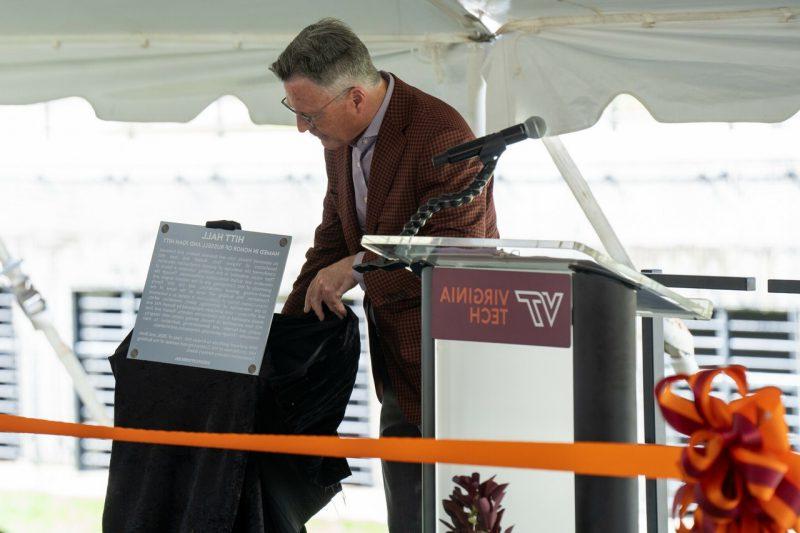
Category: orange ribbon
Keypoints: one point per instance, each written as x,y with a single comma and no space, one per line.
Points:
738,468
590,458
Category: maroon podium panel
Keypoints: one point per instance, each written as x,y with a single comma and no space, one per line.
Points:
532,308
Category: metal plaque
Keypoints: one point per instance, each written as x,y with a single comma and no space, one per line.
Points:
209,297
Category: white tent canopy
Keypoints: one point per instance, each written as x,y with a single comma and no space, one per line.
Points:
685,60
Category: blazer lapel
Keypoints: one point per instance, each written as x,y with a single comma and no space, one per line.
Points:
346,199
388,151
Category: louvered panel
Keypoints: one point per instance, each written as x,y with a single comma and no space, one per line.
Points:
95,348
758,344
712,326
362,379
103,381
350,428
357,411
102,319
707,343
768,343
710,361
764,363
360,395
97,366
9,384
762,326
100,333
786,382
106,303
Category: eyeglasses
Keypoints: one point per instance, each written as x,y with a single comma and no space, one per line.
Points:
310,118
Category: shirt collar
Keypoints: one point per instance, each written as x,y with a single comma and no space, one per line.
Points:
369,135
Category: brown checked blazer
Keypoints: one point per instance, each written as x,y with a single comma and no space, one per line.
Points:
416,127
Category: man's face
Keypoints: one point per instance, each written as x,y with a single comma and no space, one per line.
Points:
336,116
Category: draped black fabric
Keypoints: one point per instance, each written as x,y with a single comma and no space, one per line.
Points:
306,379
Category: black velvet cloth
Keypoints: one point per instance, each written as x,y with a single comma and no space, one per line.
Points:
306,379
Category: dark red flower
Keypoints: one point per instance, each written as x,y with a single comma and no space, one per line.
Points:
478,509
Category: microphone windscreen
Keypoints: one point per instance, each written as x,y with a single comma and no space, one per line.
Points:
535,127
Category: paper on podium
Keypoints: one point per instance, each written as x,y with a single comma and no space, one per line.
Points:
209,297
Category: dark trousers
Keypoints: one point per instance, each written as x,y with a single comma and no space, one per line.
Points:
402,482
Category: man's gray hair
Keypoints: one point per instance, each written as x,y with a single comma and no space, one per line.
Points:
328,53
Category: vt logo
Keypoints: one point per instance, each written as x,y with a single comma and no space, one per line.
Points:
541,304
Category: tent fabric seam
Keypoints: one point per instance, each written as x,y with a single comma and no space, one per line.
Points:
646,19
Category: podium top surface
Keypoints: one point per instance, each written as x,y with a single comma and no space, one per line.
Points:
653,298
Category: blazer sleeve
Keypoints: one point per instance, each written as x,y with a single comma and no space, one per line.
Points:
464,221
329,247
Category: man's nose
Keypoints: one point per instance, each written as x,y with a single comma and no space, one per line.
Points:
302,125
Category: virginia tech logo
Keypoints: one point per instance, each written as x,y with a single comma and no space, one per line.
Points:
541,305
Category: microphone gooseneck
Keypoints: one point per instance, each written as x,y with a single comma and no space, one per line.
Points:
488,148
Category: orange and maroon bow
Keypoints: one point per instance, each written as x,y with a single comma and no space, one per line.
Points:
738,467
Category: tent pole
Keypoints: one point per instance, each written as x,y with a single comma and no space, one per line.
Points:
577,184
35,308
476,89
679,342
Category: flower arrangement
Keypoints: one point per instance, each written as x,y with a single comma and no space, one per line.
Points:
478,510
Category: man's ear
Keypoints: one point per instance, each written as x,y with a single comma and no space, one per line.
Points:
359,98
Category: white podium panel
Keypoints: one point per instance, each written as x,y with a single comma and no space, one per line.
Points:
510,392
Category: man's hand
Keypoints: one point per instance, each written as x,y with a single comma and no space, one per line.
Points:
328,286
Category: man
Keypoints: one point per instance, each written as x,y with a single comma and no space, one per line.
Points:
379,135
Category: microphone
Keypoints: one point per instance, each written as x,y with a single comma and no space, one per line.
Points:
533,128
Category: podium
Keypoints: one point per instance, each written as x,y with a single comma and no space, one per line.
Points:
531,341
